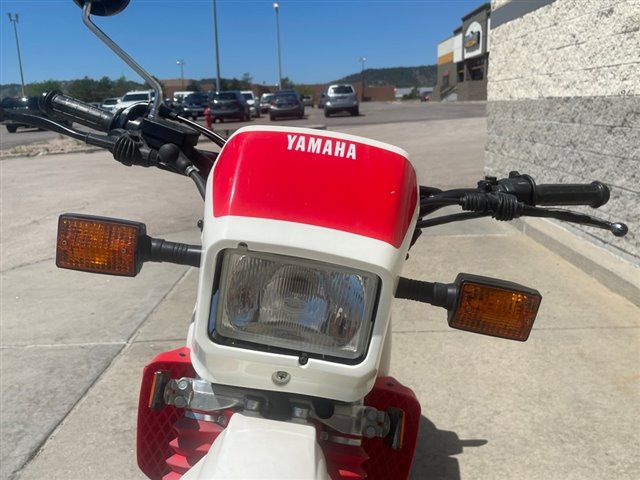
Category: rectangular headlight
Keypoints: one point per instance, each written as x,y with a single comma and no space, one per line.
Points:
294,304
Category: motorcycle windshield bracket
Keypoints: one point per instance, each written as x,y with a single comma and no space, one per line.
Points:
357,420
196,395
199,395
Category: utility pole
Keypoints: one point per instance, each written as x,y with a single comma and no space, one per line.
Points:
215,32
362,61
276,7
14,20
181,63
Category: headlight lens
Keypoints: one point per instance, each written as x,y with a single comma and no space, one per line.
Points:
294,304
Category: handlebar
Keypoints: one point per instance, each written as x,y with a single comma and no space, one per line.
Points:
57,105
514,197
524,188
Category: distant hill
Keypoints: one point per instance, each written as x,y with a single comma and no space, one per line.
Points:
401,77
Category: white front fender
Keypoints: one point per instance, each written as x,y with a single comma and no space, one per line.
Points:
256,448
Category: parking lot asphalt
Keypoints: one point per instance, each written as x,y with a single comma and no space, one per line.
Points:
564,405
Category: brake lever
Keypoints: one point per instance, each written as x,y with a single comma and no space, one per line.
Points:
505,207
619,229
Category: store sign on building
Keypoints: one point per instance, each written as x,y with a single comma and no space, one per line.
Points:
473,40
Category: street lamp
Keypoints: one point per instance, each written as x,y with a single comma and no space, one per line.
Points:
276,7
215,32
14,20
362,61
181,63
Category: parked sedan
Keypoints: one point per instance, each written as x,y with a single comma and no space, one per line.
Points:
229,104
286,104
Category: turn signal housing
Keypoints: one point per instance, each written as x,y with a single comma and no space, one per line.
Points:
99,244
494,307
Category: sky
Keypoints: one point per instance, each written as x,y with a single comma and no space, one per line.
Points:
320,40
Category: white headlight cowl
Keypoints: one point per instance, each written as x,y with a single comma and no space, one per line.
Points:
294,304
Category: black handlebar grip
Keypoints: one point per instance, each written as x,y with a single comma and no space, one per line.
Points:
594,194
57,105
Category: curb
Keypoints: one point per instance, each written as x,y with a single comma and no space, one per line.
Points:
616,273
4,156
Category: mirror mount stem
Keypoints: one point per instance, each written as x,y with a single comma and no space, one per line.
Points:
86,11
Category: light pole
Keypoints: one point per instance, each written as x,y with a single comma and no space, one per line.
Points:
215,32
362,61
181,63
14,20
276,7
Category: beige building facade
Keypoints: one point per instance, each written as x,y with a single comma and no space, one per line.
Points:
564,103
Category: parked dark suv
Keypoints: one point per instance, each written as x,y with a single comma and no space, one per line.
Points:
192,105
22,105
229,104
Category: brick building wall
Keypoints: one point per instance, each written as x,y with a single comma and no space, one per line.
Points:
564,102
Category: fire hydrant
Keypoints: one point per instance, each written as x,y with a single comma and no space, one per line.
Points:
208,117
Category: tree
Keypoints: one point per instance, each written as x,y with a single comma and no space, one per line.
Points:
287,84
193,86
233,84
412,95
37,88
246,81
83,89
103,88
305,90
122,86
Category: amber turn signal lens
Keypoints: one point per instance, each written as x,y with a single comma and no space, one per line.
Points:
98,245
495,307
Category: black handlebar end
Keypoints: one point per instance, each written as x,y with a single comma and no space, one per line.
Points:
603,194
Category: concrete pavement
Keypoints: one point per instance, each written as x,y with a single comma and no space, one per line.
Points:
566,404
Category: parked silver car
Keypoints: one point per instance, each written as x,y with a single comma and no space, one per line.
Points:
341,98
